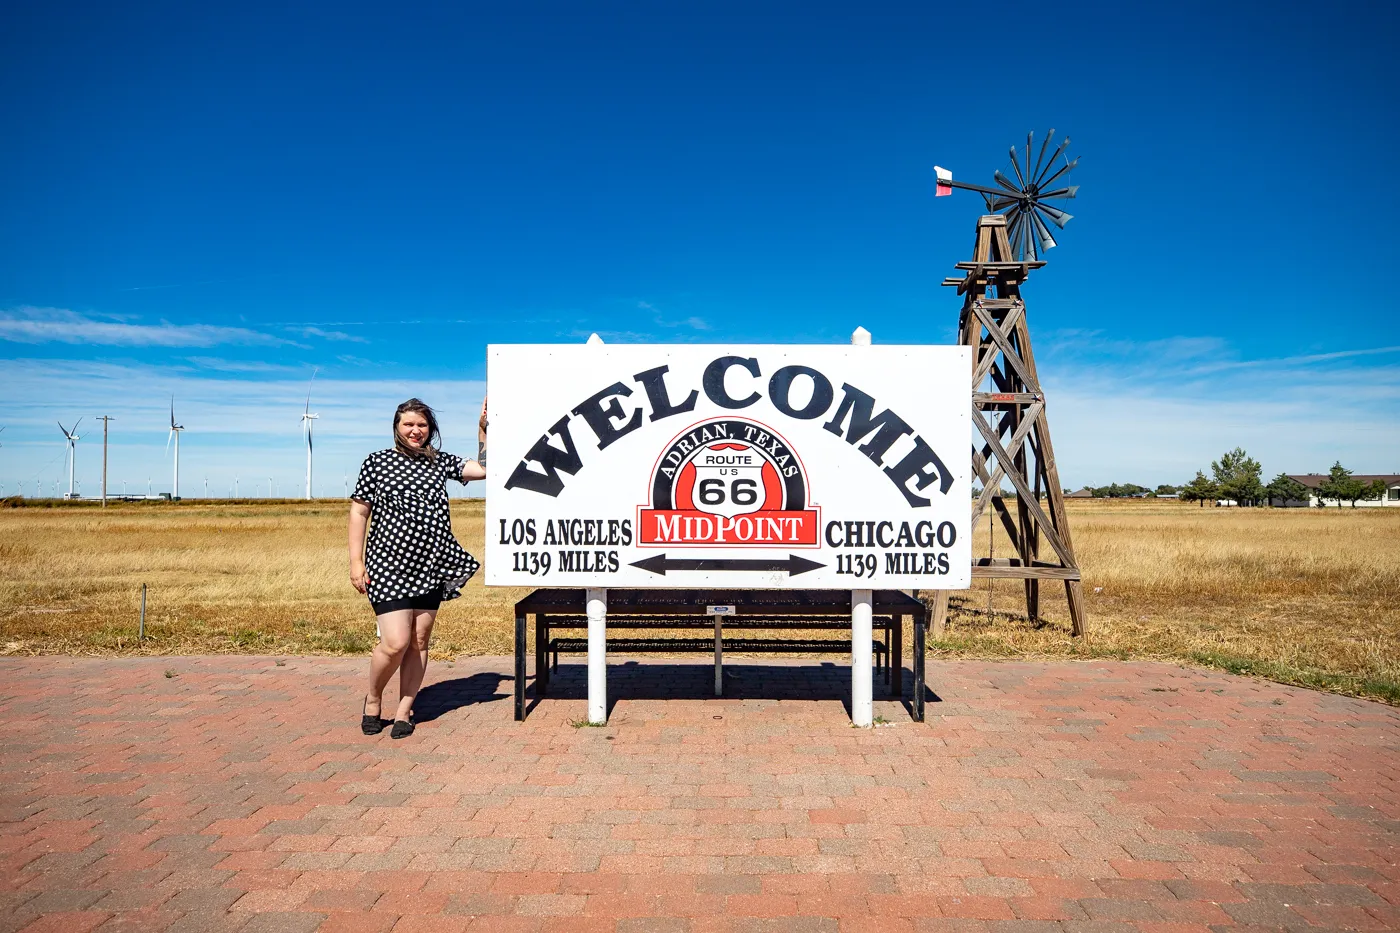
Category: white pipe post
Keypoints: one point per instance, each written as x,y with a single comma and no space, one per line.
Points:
862,671
596,600
597,603
862,625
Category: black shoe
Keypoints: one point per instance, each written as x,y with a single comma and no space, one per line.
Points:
371,725
403,728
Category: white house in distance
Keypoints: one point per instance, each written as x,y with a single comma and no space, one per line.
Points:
1313,480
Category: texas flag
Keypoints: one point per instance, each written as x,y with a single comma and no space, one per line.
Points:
944,177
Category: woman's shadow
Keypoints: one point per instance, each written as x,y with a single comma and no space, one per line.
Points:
443,697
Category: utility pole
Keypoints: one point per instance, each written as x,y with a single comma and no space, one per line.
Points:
105,419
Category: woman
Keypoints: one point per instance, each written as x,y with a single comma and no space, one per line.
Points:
412,562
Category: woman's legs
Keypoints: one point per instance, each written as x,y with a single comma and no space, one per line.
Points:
395,634
415,661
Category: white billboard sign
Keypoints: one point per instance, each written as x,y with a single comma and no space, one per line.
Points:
764,467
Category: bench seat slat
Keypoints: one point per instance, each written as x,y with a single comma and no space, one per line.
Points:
707,645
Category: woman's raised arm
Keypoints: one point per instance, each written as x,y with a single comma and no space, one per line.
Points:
476,469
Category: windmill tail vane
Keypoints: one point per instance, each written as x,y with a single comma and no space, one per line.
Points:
1021,199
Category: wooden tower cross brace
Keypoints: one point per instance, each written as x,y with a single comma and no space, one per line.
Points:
1008,411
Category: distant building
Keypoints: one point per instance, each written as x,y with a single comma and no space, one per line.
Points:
1314,480
1085,493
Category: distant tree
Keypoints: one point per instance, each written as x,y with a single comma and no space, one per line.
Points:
1284,488
1166,489
1237,475
1341,486
1118,491
1375,489
1200,489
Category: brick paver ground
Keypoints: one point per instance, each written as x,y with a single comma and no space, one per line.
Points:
239,794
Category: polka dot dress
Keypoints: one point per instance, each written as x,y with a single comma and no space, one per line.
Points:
411,549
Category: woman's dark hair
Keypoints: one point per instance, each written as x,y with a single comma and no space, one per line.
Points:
429,448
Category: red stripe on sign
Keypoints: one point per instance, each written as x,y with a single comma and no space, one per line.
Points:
685,488
772,489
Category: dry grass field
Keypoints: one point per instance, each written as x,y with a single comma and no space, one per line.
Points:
1309,597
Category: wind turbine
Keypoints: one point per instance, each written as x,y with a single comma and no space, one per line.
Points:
175,430
306,418
73,439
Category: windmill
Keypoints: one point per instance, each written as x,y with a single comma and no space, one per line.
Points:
1008,402
1021,201
306,418
175,430
73,438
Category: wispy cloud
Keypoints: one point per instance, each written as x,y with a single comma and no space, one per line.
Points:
221,365
330,334
60,325
692,322
1160,410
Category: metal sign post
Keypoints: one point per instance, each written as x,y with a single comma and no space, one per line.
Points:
718,613
862,625
597,656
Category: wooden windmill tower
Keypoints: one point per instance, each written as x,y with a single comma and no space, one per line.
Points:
1008,405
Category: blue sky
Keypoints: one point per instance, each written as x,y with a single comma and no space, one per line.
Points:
210,202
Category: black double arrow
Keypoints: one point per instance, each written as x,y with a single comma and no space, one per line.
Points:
794,565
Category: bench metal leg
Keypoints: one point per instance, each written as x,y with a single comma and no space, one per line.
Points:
520,667
897,658
541,654
719,658
888,665
920,623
